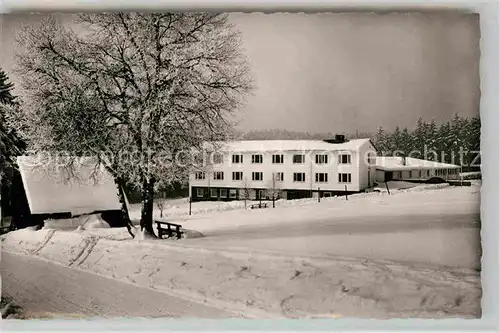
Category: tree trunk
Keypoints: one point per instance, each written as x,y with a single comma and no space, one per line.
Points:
125,217
147,206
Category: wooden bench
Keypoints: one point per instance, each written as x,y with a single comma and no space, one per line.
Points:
169,230
259,205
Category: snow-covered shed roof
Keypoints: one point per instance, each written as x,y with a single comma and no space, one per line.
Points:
287,145
50,189
395,163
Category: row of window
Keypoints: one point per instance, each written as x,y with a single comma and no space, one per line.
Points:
279,159
244,193
321,177
214,193
225,193
444,172
426,173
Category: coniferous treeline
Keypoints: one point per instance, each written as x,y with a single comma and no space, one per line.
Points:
456,141
11,144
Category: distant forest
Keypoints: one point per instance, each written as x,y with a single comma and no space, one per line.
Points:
442,143
282,134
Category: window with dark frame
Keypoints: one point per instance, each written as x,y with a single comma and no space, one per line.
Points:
223,193
219,175
257,158
232,193
345,158
257,176
280,176
278,159
200,193
237,175
299,159
299,177
237,158
344,178
321,159
214,192
371,159
200,175
322,177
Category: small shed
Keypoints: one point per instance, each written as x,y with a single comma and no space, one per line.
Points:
42,189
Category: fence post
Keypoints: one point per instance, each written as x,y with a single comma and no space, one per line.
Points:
190,205
346,193
319,196
387,187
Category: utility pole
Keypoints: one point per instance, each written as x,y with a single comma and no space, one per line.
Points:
208,179
461,175
274,188
246,192
311,175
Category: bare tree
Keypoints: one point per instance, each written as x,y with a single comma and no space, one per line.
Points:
136,90
246,192
160,204
274,188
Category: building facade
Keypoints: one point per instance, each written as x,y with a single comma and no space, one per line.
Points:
284,169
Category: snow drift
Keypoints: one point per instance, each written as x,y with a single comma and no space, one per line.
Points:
261,284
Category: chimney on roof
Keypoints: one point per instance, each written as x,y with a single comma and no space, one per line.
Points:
339,138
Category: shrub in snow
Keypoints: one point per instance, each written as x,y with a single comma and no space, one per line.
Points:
191,234
471,175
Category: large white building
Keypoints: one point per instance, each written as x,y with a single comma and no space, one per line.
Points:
303,168
285,168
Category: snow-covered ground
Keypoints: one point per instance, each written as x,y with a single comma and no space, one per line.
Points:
419,200
263,284
180,207
260,284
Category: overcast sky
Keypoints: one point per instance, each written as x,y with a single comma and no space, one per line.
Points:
346,72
